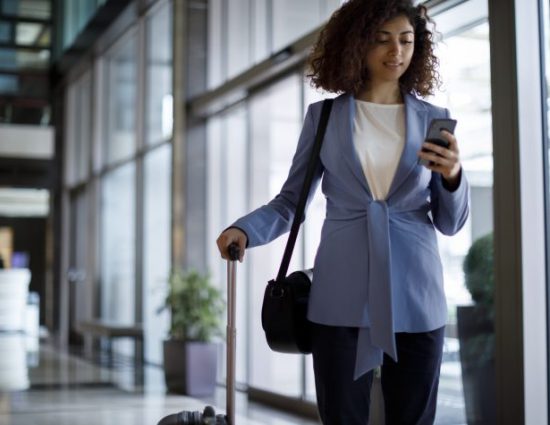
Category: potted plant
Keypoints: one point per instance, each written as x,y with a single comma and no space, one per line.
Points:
190,354
476,335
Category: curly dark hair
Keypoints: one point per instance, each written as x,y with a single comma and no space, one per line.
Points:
338,61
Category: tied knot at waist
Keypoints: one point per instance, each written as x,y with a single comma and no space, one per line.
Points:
373,342
379,337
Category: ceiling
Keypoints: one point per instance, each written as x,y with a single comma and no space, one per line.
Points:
25,48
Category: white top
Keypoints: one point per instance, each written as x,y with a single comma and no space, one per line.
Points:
379,138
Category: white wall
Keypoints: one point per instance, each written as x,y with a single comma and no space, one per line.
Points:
26,141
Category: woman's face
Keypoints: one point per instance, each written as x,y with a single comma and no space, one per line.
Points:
391,51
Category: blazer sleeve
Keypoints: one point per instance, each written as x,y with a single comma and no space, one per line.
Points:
275,218
450,209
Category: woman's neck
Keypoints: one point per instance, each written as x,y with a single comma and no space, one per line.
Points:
387,94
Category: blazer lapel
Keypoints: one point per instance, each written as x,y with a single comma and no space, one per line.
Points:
415,125
346,114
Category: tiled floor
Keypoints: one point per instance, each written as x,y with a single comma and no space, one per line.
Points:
49,387
67,390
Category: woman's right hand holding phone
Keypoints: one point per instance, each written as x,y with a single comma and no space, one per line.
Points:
229,236
445,161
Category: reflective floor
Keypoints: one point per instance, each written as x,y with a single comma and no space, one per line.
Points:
44,386
48,387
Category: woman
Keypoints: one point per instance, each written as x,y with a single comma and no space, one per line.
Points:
377,295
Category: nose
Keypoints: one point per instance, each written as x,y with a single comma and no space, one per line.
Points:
395,48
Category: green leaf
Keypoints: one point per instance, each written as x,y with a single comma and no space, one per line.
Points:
196,306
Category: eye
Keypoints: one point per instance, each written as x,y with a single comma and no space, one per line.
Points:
407,42
382,41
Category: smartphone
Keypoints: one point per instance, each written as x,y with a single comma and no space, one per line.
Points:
434,134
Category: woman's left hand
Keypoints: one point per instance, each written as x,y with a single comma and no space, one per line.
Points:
445,161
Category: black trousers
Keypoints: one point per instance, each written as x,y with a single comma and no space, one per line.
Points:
409,386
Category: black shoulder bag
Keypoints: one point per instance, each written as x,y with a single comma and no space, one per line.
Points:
284,310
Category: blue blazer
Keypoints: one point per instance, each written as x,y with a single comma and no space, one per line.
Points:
377,266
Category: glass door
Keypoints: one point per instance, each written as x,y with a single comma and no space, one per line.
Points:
467,384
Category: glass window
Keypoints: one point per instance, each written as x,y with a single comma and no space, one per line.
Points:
260,38
159,104
19,60
39,9
236,178
238,37
69,25
9,84
24,202
276,119
25,85
45,38
24,70
13,112
70,138
79,129
117,245
27,33
215,194
156,248
215,44
246,32
227,198
5,32
121,95
467,383
81,286
76,15
292,19
215,209
84,108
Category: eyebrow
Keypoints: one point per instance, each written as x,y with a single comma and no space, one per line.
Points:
389,33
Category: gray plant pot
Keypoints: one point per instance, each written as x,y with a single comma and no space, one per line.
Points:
190,367
478,371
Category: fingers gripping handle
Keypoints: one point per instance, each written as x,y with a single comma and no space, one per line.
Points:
234,252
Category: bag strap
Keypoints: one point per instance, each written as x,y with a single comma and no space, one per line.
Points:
312,166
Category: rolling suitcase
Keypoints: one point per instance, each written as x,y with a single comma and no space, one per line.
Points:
208,416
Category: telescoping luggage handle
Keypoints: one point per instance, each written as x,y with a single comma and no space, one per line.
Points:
234,252
209,417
